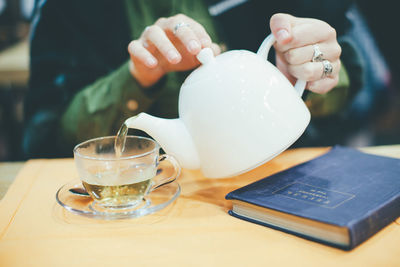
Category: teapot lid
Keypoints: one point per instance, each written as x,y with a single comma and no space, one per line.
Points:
206,55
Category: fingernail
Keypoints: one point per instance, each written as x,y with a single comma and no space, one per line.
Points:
151,62
193,46
172,56
282,35
205,42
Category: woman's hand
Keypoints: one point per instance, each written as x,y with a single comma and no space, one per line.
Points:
171,44
295,50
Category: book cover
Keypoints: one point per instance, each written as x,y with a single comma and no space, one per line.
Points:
340,198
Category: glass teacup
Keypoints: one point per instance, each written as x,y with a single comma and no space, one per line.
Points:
121,183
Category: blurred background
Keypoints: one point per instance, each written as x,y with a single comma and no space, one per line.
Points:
15,19
374,116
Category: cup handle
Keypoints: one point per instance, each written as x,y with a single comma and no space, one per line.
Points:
177,171
264,50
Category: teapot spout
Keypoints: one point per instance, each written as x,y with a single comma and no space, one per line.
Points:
172,136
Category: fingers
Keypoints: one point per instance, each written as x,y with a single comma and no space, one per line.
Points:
189,39
167,36
280,25
171,44
192,34
312,71
324,85
201,34
296,38
293,32
311,32
296,56
155,35
140,53
189,32
216,49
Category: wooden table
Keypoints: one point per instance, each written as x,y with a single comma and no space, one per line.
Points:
194,231
8,172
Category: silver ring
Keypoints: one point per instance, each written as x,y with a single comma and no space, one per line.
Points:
318,55
327,68
179,25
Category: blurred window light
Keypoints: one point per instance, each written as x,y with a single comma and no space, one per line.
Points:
27,7
3,5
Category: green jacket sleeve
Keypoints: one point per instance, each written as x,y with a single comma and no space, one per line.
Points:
100,108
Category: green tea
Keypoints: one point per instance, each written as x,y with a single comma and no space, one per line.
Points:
121,185
120,140
118,195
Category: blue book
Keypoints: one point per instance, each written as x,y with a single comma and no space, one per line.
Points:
340,198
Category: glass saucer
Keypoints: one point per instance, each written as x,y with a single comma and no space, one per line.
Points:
85,206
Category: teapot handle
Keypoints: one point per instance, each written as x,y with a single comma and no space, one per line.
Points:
264,50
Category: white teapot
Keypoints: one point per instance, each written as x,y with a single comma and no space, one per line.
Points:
236,112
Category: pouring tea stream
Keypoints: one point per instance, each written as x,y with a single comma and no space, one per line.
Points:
236,112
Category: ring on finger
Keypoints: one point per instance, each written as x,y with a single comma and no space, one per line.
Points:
318,55
179,25
327,68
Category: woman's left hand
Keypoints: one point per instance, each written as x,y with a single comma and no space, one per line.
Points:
298,42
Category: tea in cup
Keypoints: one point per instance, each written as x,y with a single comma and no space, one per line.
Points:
120,181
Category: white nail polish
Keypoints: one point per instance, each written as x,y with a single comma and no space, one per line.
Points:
193,46
172,55
205,42
151,62
282,35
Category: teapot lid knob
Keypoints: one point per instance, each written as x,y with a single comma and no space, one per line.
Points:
206,55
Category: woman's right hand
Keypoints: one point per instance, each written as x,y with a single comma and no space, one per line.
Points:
171,44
